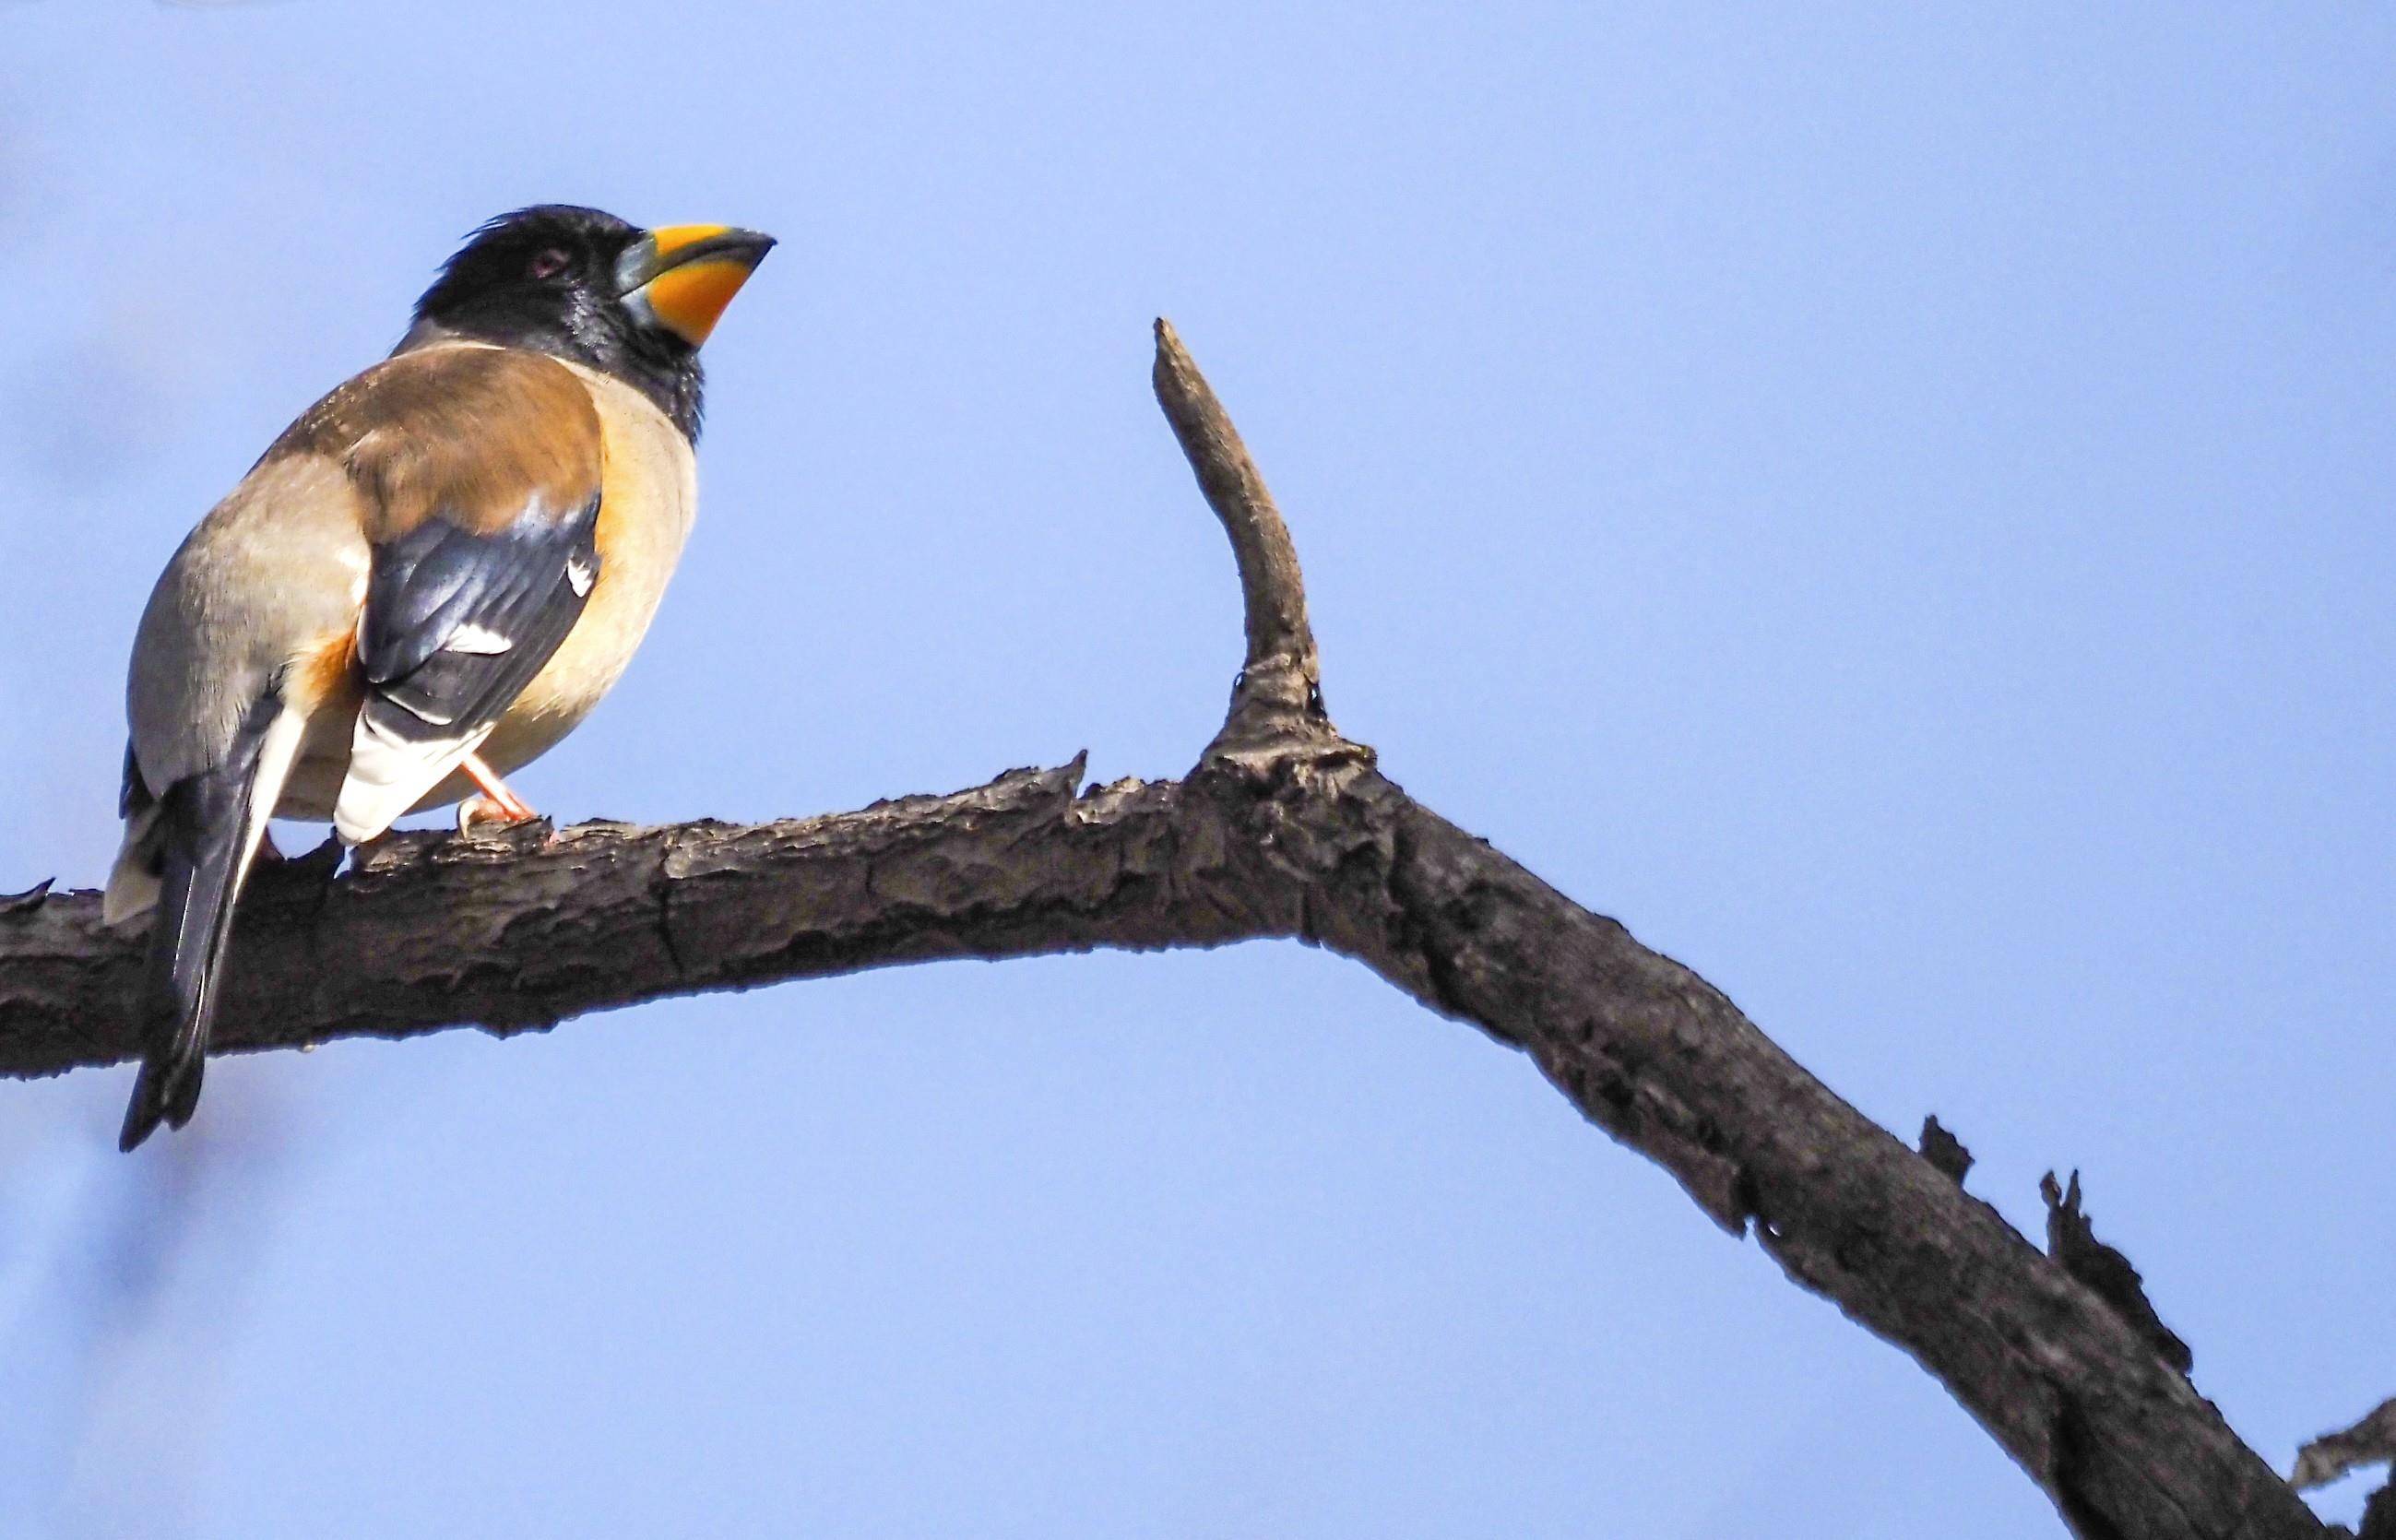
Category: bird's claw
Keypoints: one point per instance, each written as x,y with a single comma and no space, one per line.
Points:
479,811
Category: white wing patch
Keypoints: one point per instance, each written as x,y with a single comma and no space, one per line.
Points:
389,773
471,638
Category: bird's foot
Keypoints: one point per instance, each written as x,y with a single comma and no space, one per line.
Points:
495,806
479,813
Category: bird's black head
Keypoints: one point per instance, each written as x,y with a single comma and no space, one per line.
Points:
587,286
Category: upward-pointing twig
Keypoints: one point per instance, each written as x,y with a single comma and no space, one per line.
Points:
1279,697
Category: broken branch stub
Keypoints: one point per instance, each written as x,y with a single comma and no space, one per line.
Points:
1278,698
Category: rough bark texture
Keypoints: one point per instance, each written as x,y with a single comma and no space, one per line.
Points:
2379,1516
2071,1242
1284,829
1942,1149
2370,1441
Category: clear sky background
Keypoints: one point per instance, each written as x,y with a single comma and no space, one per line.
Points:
1893,504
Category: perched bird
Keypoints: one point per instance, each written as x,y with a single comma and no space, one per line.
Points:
427,581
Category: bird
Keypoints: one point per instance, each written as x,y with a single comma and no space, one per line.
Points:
425,582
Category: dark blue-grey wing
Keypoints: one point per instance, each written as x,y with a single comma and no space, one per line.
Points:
456,624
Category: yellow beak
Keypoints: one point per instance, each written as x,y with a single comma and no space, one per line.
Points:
681,278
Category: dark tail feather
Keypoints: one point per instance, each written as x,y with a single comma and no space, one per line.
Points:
206,832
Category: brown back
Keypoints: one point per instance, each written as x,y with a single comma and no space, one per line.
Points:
473,432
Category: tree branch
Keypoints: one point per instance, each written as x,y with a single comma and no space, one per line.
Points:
2369,1442
1277,703
1284,829
2073,1245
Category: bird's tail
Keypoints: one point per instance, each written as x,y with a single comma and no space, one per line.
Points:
208,827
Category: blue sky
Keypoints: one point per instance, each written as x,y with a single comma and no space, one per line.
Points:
1892,503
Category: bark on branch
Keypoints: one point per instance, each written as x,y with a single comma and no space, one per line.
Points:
1284,828
2369,1442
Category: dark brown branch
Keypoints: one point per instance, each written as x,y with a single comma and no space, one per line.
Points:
2071,1242
1278,700
525,929
2370,1441
1944,1150
2379,1515
1284,829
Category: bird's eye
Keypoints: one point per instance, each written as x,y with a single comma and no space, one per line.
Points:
549,262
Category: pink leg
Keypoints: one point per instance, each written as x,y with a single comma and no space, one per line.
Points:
496,805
